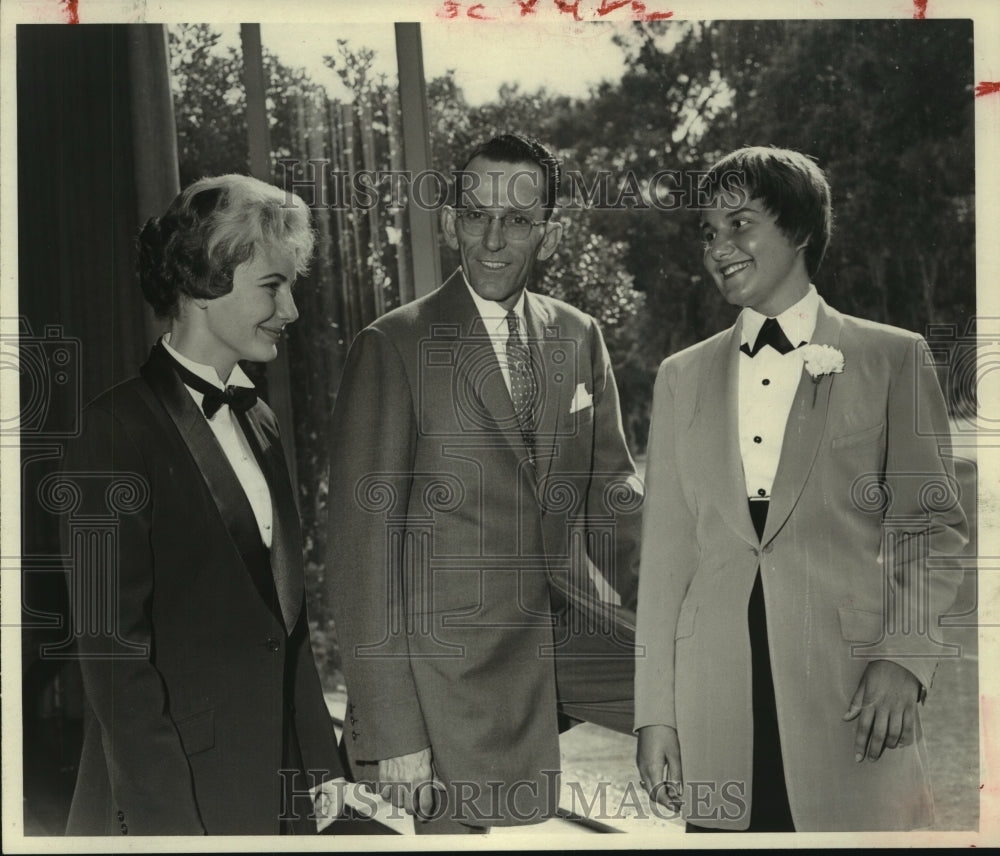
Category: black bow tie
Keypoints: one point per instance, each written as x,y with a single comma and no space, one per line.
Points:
239,398
770,334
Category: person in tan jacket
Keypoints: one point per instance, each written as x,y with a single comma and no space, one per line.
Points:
787,610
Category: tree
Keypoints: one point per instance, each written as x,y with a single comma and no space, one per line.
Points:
209,104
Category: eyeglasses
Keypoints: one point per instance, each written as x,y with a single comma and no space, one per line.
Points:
517,227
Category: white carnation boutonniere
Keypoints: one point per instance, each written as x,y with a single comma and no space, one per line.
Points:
820,360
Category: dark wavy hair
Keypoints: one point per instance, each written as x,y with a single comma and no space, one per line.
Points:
212,227
515,149
792,187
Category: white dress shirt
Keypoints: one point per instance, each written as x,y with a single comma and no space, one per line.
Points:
495,322
234,444
767,387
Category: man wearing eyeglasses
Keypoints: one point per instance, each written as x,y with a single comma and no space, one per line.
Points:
484,521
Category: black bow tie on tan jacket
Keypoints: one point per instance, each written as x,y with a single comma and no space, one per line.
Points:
770,334
239,398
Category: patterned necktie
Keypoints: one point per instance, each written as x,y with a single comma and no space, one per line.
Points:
770,334
523,386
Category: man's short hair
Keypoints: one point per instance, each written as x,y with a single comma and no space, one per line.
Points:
792,187
515,149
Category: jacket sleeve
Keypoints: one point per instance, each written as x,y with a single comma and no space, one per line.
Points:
668,560
313,724
372,444
615,490
924,522
151,782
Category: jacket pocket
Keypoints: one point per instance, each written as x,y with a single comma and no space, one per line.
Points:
685,621
197,732
858,438
860,625
449,591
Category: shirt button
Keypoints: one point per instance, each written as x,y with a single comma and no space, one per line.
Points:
761,492
765,382
757,439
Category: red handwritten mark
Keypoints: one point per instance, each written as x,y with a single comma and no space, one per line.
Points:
72,11
449,10
527,8
919,9
642,15
987,87
566,6
608,7
477,13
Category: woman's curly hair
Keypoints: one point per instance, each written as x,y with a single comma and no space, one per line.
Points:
212,227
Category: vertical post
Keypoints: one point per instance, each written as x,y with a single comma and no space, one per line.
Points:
416,155
258,133
154,133
279,392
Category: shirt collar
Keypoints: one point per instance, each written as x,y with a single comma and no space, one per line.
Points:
493,314
798,322
237,377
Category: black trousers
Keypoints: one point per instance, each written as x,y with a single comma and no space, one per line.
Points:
769,809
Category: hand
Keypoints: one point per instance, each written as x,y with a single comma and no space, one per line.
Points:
407,781
328,802
886,699
658,757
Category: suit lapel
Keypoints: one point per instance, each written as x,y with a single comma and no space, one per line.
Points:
286,534
804,429
553,368
716,428
227,493
477,367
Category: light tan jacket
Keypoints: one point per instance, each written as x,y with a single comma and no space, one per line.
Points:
863,495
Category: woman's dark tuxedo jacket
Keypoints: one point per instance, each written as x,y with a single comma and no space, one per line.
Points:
197,693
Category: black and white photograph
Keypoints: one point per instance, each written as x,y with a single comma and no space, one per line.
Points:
565,424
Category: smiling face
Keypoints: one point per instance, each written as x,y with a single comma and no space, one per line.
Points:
246,323
752,262
497,266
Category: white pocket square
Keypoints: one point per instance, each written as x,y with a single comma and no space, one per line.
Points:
581,399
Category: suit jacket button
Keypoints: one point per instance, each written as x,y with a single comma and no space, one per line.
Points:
121,815
755,551
354,735
124,829
273,644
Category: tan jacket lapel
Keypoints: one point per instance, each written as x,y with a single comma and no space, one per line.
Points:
804,429
716,426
